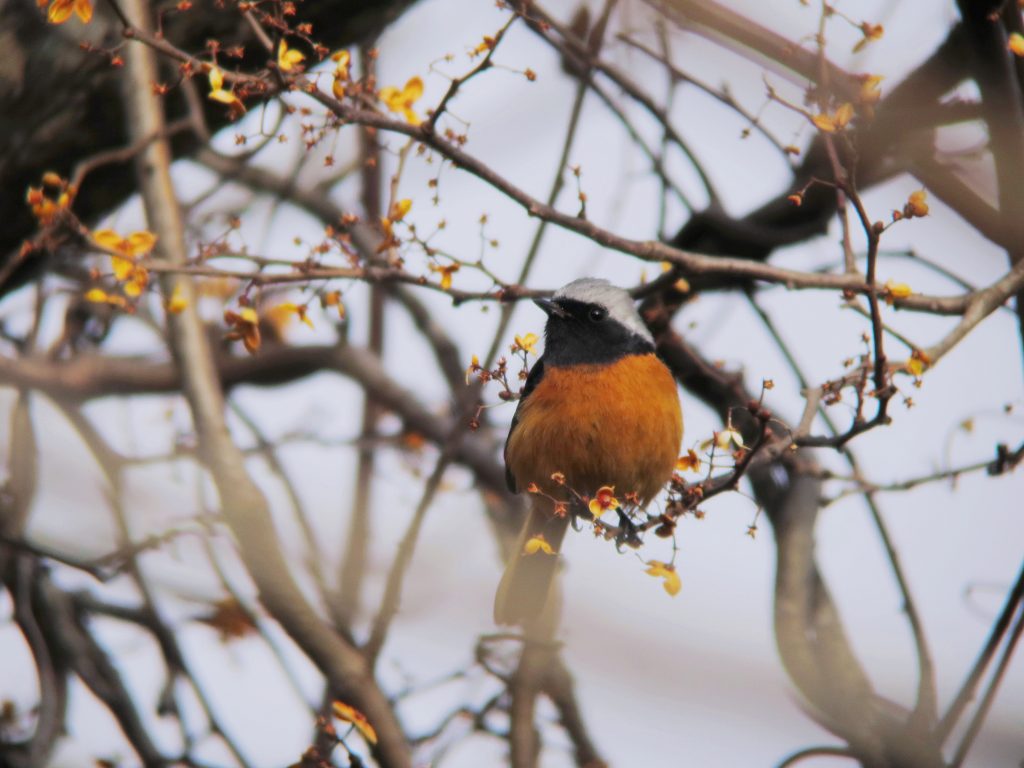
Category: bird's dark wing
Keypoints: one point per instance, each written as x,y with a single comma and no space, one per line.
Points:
536,374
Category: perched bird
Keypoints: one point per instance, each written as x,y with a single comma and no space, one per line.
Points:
599,408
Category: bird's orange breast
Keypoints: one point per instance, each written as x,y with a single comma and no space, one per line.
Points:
616,424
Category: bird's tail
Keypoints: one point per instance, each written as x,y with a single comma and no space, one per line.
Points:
526,595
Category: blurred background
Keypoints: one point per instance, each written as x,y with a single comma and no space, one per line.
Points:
695,679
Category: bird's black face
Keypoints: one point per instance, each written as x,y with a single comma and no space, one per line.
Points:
581,332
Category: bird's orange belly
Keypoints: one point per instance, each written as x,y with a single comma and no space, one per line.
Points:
616,424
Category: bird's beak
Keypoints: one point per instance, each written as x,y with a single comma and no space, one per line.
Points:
551,308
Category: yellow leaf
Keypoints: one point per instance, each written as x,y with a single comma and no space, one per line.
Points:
96,295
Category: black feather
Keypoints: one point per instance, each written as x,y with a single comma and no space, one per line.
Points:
536,374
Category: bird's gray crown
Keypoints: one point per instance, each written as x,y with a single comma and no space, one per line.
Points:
620,306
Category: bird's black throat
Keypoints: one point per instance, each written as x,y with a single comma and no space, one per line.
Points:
572,337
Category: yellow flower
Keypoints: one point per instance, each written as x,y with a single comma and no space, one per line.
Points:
341,73
1016,44
896,291
218,93
396,213
177,303
486,45
526,343
688,463
349,714
61,10
667,573
245,325
136,281
727,436
869,93
123,253
537,544
918,363
44,207
870,32
399,209
341,59
916,205
288,58
136,244
401,101
333,299
836,121
474,366
99,296
299,310
604,500
446,271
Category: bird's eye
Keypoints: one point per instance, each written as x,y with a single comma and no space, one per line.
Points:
597,314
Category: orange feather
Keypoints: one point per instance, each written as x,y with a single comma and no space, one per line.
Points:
617,424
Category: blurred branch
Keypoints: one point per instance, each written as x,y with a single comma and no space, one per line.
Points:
403,557
809,632
990,693
925,711
731,29
810,752
89,377
559,686
967,691
243,505
994,70
352,566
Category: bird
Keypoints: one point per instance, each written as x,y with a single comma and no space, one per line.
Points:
598,408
